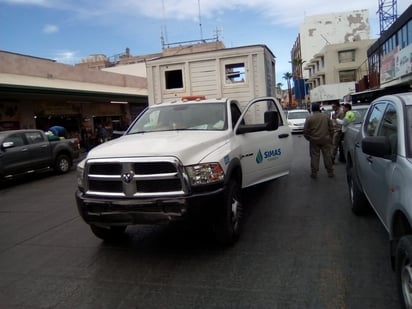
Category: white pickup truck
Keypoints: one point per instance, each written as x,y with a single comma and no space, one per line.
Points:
181,159
379,173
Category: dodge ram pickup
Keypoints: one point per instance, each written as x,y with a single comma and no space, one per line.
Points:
28,151
379,174
181,159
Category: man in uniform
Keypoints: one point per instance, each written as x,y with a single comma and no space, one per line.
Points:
318,130
348,117
336,113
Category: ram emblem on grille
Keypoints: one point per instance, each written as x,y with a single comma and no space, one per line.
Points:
127,177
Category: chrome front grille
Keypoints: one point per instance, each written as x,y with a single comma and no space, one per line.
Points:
135,177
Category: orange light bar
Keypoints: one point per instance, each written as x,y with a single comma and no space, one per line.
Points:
193,98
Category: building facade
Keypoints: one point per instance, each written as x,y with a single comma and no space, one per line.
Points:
318,31
334,70
39,93
389,62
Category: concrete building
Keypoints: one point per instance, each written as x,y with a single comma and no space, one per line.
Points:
334,70
318,31
38,93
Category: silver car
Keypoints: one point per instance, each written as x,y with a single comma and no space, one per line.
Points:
379,172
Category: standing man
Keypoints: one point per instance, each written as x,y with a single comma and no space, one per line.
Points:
337,137
318,130
348,117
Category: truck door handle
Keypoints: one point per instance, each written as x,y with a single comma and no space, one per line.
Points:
357,145
24,150
284,135
369,159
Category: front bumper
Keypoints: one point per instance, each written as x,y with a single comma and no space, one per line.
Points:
123,212
296,128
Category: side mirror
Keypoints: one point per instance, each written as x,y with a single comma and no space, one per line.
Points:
271,120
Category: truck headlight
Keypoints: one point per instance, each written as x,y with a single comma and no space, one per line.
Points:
80,175
206,173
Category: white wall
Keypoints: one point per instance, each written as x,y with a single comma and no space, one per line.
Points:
331,92
318,31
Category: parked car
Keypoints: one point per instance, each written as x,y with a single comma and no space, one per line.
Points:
28,151
379,174
296,119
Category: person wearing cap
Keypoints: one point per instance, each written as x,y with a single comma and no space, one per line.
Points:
318,130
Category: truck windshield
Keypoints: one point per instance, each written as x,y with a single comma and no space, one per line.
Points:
196,116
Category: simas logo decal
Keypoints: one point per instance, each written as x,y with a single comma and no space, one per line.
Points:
259,157
272,154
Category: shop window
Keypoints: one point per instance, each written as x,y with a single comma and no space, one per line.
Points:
235,73
174,79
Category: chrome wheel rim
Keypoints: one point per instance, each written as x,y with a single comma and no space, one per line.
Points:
406,282
64,165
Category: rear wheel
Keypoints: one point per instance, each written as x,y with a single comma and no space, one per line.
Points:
228,216
404,270
358,199
62,164
109,234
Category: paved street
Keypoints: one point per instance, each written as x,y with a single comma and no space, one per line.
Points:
301,247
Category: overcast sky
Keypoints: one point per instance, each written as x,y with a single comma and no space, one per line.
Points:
71,30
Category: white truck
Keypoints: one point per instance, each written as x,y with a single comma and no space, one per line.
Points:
184,159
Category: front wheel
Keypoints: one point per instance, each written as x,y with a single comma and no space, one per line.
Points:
227,221
62,164
109,234
403,268
357,197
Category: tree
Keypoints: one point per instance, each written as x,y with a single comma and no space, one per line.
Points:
288,76
297,64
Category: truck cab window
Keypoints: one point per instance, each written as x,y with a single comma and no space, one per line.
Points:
373,120
17,140
389,127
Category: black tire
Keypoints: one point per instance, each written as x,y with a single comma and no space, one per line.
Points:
359,203
403,268
226,226
109,234
63,164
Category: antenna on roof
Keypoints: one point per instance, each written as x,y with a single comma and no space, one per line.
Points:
163,31
200,22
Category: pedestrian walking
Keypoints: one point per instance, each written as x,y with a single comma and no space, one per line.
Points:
337,113
318,130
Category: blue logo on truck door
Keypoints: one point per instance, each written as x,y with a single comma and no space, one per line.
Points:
272,154
259,157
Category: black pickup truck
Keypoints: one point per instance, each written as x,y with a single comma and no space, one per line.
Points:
28,151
